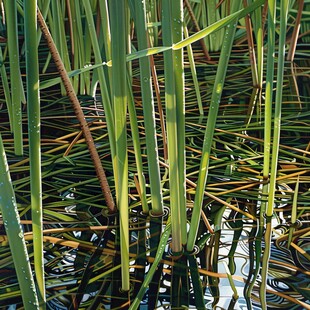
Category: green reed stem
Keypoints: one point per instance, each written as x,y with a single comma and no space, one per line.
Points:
77,43
59,35
278,106
15,76
275,146
6,88
34,124
269,93
137,147
172,65
193,71
258,29
148,110
118,18
209,133
105,92
267,136
15,235
178,59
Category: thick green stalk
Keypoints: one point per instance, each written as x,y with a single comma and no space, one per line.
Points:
118,23
178,60
15,76
33,108
175,180
208,138
148,110
15,235
275,145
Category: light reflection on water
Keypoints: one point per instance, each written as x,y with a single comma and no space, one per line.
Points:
281,278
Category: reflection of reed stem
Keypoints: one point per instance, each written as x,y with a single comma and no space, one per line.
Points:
266,256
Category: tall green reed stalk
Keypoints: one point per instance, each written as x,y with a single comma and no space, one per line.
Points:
194,74
210,127
275,147
15,234
278,106
119,24
156,210
172,23
104,87
144,39
148,110
15,75
34,124
267,146
178,71
257,76
137,147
